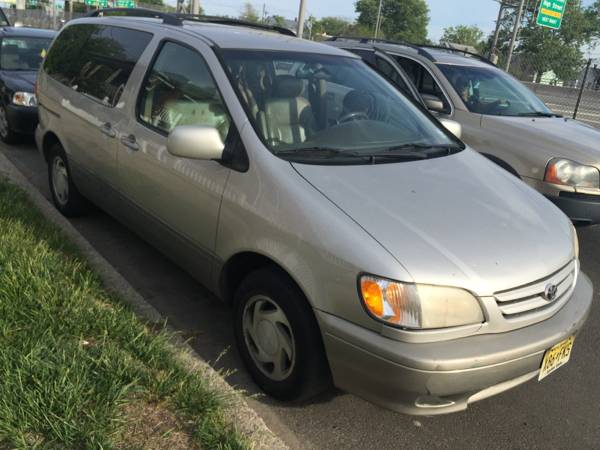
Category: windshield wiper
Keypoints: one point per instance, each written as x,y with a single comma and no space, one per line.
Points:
324,152
538,114
425,149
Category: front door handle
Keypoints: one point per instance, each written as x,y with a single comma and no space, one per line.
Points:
108,130
130,143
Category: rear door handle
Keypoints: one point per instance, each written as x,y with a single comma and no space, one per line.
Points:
130,143
108,130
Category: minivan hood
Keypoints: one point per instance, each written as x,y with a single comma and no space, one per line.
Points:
549,137
455,221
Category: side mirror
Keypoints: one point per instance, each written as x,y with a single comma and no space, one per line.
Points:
195,142
433,102
452,126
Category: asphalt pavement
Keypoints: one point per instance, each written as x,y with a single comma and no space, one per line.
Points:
562,411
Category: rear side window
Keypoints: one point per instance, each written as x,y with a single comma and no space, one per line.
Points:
96,60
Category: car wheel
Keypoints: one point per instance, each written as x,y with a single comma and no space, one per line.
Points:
6,134
65,195
278,337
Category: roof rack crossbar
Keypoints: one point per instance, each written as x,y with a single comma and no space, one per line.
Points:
178,18
366,40
230,21
167,18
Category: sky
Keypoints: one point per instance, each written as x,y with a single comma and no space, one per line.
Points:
443,13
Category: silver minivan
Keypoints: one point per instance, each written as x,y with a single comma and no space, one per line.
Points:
358,241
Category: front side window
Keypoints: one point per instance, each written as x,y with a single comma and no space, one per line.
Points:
180,90
23,53
327,107
491,91
96,60
423,80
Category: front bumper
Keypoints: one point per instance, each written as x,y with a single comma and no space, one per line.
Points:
580,208
22,119
443,377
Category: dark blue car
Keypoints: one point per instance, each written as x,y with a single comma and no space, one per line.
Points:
22,50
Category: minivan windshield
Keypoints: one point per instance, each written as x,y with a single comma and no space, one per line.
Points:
331,109
491,91
23,53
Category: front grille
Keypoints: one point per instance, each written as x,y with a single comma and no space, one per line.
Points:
530,298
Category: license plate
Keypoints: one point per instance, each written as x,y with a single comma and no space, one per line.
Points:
556,357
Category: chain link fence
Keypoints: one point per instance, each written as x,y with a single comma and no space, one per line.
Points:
574,95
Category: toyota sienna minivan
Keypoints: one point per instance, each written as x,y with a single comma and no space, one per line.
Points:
359,243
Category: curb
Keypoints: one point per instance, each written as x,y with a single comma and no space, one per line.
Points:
239,414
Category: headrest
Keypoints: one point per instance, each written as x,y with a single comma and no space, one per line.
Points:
288,86
358,101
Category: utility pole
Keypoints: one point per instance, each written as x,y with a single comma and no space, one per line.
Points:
492,54
515,33
195,6
301,14
378,22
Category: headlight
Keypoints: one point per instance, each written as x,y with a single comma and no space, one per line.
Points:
418,306
570,173
24,99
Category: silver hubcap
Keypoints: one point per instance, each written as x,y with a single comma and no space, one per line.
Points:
3,122
269,337
60,180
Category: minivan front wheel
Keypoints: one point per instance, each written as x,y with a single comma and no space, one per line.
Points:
65,195
278,337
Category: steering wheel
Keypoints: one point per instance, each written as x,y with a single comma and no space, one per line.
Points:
357,115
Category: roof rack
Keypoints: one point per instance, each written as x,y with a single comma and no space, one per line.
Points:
177,19
167,18
421,49
461,51
230,21
366,40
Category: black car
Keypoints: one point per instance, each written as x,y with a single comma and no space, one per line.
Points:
22,50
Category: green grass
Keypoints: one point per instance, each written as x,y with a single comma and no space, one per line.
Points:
72,356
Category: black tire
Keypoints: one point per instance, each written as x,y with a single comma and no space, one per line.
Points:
309,375
68,201
6,134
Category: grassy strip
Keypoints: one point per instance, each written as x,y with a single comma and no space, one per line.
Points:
74,362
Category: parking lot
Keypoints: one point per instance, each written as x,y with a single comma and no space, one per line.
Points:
560,412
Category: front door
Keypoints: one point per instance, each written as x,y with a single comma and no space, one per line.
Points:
180,197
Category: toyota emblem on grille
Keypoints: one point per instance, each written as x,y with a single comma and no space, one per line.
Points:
550,292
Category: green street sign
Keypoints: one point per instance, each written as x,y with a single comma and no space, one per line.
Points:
100,3
125,4
551,13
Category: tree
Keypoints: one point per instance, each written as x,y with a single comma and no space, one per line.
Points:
404,20
249,13
463,34
331,26
540,50
278,21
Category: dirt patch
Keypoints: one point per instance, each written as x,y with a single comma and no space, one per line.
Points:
153,426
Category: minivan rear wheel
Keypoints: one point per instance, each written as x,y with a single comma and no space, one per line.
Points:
65,195
278,337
